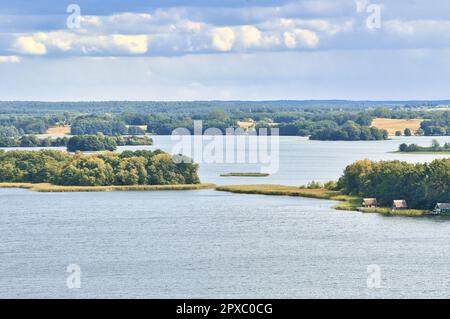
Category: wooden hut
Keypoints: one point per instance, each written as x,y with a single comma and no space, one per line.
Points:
399,204
442,209
369,202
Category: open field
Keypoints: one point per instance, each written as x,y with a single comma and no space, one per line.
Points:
393,125
49,188
349,203
59,130
246,124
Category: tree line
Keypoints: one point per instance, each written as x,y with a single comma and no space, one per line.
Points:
421,185
98,142
414,148
438,125
105,169
329,120
33,141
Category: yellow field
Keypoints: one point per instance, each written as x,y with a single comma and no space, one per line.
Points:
60,130
246,125
393,125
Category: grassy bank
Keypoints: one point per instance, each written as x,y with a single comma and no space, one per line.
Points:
388,211
280,190
349,203
244,175
49,188
423,153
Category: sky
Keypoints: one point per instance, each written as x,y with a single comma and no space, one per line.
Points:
88,50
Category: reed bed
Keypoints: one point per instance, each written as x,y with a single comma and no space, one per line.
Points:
50,188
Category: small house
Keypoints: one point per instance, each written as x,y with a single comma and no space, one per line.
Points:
442,209
399,205
370,202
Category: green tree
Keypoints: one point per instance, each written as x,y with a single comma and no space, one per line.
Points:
408,132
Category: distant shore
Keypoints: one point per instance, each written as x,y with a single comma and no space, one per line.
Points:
245,175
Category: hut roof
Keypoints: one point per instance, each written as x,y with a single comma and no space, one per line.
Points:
443,205
370,201
400,204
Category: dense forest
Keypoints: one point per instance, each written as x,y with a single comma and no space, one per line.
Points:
97,142
321,120
127,168
100,142
107,125
437,125
32,141
421,185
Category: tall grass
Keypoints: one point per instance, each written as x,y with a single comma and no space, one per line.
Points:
49,188
280,190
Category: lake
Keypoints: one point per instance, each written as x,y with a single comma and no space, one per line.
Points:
208,244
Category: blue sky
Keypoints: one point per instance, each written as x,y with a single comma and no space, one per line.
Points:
227,50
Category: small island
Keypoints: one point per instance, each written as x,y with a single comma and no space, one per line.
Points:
245,175
435,148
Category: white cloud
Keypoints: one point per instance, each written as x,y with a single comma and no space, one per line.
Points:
28,45
9,59
134,44
250,36
223,38
299,25
328,27
60,40
301,38
66,41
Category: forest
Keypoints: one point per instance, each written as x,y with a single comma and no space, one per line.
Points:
421,185
98,142
104,169
321,120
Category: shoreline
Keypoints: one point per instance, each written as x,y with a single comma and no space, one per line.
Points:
244,175
50,188
421,153
349,203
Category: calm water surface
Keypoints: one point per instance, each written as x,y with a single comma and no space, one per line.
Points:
220,245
